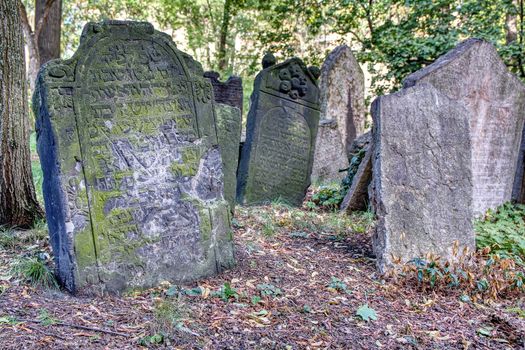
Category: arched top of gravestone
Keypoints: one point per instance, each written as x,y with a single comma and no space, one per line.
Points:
93,33
468,54
291,80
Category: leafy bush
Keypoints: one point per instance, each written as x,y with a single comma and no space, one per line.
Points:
481,274
503,231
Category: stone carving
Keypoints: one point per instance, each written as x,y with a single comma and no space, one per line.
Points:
133,179
422,175
228,92
342,90
330,156
474,75
229,125
276,160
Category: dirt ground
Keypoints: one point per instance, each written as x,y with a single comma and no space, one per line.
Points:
298,284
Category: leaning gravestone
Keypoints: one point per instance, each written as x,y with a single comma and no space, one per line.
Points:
474,75
421,175
133,182
229,125
518,189
276,160
342,99
228,92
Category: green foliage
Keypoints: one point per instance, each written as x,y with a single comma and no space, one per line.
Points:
226,293
169,313
36,272
157,338
366,313
269,290
338,285
45,318
328,197
503,231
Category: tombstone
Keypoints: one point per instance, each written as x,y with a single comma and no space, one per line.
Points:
518,190
277,157
357,196
229,125
228,92
133,181
474,75
421,175
330,156
342,94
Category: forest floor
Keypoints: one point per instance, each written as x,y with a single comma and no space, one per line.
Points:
303,280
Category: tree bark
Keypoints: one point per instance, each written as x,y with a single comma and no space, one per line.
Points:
49,37
225,24
18,204
32,37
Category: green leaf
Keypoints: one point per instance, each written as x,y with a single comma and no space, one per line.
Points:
366,313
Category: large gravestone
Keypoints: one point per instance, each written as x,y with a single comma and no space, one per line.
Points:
422,175
133,182
330,156
342,99
229,125
474,75
228,92
276,160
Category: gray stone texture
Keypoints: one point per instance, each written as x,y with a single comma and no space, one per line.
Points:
228,92
229,125
133,178
518,190
342,98
474,75
422,177
330,156
276,159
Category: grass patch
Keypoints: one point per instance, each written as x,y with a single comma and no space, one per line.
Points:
35,271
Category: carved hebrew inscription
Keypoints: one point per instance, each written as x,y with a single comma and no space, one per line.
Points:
137,124
281,160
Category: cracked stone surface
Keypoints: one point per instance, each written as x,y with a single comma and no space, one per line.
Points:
330,155
133,176
422,175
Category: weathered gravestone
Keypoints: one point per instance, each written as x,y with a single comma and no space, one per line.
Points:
342,94
228,92
133,182
330,156
276,160
474,75
229,125
421,175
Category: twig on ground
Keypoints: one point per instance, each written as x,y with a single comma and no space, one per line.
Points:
64,324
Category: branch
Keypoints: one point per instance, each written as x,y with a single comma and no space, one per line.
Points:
26,27
43,19
64,324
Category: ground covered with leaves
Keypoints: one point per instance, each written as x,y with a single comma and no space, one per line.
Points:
303,280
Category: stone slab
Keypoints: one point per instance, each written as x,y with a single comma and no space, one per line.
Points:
330,156
228,92
229,125
133,178
357,196
474,75
342,94
422,175
276,160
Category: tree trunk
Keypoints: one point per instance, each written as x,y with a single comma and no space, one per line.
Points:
49,37
225,24
18,204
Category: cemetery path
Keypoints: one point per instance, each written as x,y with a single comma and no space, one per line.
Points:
300,280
